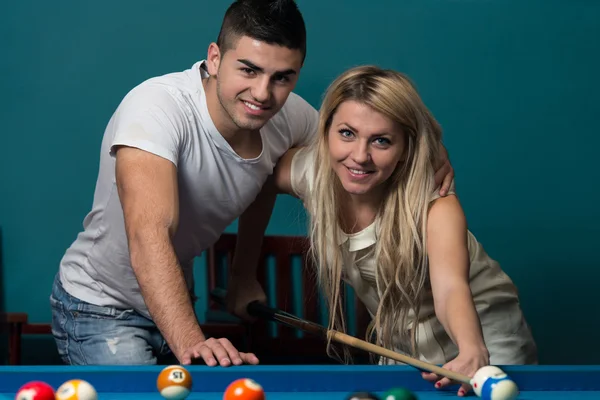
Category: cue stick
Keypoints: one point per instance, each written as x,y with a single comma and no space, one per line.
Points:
260,310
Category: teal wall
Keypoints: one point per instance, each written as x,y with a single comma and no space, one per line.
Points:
514,84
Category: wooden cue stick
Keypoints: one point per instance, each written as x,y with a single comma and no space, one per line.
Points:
262,310
370,347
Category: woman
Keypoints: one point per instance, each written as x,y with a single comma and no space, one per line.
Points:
377,222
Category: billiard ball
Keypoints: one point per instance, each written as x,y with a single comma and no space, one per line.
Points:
76,389
491,383
244,389
35,391
174,382
399,394
362,396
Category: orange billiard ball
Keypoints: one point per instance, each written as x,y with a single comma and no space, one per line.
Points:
174,382
244,389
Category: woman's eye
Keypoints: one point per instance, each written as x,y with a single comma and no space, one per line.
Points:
383,141
346,133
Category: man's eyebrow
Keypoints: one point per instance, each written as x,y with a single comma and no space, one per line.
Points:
255,67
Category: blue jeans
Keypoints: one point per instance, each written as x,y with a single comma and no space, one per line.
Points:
87,334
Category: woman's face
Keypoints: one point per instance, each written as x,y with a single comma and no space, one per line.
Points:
365,147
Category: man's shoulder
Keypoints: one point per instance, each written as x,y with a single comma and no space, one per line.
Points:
180,80
295,103
295,112
168,87
294,124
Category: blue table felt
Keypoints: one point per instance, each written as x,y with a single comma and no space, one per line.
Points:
295,382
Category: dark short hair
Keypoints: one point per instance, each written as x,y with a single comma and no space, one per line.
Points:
276,22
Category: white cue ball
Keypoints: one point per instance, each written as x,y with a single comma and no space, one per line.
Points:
491,383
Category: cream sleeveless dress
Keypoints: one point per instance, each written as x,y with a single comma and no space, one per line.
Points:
506,333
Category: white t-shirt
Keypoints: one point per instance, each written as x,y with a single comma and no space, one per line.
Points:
168,116
506,334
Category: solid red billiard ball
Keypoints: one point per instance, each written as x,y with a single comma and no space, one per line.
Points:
35,391
244,389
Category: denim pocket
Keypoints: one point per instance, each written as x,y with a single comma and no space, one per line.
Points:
86,310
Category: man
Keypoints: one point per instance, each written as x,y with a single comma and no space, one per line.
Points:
182,157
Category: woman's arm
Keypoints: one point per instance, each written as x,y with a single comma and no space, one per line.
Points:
449,269
282,175
449,273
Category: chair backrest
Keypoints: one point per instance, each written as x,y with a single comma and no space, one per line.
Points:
288,277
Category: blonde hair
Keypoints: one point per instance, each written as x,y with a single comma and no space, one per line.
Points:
401,250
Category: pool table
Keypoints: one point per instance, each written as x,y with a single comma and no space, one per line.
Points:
300,382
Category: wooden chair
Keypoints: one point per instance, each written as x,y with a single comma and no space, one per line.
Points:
17,325
284,270
287,274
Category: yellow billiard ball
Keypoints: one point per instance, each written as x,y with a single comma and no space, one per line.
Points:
76,389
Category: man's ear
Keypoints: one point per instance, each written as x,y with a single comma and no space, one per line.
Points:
213,59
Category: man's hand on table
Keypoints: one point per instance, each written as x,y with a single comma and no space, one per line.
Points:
215,352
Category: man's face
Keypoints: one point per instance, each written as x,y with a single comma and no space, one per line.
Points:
254,80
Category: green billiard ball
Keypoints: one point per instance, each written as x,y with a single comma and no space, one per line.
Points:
399,394
362,396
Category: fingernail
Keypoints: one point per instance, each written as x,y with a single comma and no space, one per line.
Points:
437,384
